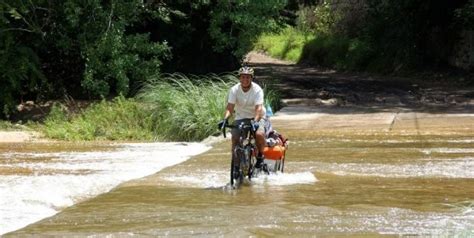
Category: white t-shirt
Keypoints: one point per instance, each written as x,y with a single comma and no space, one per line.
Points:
245,102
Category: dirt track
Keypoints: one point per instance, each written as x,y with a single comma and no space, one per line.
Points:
318,87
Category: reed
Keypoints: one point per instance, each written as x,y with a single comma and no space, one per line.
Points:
186,107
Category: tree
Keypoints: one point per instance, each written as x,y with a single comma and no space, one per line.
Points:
213,36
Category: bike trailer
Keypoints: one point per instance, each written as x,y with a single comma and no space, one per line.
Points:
276,146
274,158
276,152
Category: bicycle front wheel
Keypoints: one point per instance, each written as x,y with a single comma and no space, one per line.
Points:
232,173
236,168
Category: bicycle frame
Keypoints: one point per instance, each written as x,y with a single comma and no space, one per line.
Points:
243,159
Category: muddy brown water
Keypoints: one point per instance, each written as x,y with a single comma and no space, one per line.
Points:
347,173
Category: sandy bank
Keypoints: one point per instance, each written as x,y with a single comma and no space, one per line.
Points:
20,136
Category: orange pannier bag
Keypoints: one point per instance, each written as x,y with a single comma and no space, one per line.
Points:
276,152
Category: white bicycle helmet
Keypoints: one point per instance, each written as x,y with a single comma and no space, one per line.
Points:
246,70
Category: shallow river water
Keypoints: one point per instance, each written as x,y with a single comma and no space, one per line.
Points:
364,181
39,179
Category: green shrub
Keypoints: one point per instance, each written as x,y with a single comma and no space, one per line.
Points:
325,50
272,95
338,52
359,55
322,49
119,119
326,17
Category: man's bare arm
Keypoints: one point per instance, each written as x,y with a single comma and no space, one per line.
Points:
229,110
258,112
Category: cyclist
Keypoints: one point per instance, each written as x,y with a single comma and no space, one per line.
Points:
246,98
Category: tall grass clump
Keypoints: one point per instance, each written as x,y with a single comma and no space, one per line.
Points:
186,107
189,107
119,119
286,44
272,95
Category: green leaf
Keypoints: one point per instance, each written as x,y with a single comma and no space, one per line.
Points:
14,13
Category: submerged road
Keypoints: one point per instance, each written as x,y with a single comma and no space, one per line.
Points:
349,171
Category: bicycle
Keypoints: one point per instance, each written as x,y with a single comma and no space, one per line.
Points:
244,153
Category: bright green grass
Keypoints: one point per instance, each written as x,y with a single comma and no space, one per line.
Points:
287,44
332,51
186,108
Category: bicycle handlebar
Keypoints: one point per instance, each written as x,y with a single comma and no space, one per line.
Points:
242,126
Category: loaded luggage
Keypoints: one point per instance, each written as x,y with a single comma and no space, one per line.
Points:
274,151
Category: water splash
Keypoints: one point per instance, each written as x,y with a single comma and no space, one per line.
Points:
217,179
210,179
282,179
448,151
27,198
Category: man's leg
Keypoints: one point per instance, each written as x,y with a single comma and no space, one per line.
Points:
235,141
260,142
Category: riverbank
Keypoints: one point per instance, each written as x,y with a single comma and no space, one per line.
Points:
21,137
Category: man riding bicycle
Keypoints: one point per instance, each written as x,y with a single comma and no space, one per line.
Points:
246,98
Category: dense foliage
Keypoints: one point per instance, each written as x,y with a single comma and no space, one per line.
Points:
464,16
411,33
78,48
98,49
212,36
372,35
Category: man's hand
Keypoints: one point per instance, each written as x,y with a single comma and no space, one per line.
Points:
222,124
